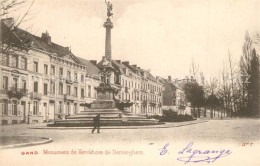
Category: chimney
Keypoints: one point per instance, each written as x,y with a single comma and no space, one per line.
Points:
134,66
126,63
46,37
9,22
94,62
169,78
119,61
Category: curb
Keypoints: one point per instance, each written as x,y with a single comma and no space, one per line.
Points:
49,140
120,127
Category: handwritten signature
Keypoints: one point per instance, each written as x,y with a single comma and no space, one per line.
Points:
196,156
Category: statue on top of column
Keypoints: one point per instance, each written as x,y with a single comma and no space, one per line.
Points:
109,9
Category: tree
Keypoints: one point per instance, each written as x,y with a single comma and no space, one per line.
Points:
232,82
249,69
213,102
195,95
253,86
9,25
212,87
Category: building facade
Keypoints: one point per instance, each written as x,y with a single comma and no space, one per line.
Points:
139,87
40,80
174,97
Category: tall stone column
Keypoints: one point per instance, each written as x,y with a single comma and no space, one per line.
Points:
108,25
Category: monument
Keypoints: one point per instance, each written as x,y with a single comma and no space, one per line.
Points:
111,110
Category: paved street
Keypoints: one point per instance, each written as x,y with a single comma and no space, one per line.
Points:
237,131
146,143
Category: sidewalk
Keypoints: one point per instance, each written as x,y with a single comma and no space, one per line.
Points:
166,125
7,142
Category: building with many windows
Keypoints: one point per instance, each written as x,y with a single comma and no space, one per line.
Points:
41,80
139,87
173,96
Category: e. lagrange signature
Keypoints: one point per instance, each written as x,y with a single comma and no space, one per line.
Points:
189,155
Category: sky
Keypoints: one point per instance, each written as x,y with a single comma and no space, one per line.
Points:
161,35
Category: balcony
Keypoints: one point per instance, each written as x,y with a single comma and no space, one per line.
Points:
36,96
69,80
16,93
68,97
152,103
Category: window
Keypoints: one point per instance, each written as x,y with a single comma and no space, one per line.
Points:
82,92
4,59
35,66
45,69
14,107
5,83
53,88
23,63
76,77
23,85
35,86
89,91
60,107
173,102
52,69
14,61
68,90
4,106
76,91
69,75
75,108
35,108
61,72
60,88
82,78
15,83
45,89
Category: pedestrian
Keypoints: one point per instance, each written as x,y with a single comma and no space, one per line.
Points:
96,121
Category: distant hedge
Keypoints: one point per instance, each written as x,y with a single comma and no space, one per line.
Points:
170,116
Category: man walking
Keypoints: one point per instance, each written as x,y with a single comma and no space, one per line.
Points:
96,121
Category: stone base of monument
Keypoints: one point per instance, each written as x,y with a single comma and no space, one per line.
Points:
109,108
108,117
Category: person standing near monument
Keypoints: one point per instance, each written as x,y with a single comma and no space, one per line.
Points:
96,123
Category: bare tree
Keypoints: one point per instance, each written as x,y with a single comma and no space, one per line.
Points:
9,25
231,65
212,86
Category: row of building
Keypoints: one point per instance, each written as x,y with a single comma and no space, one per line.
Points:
42,81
